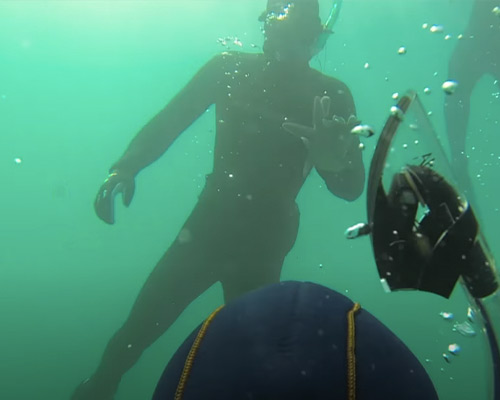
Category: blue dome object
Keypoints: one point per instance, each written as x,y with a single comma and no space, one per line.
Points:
288,341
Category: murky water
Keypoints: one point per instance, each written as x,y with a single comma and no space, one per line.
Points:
78,79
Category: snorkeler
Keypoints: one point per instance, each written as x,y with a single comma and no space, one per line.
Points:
476,55
246,219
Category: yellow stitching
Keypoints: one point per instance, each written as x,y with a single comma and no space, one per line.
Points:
192,353
351,356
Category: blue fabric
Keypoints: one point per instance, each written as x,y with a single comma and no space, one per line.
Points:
288,341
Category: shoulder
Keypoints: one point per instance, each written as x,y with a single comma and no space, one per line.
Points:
337,90
235,58
333,86
224,67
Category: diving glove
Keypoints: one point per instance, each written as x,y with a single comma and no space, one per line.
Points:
116,182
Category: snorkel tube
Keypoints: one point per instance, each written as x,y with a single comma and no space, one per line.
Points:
425,235
327,27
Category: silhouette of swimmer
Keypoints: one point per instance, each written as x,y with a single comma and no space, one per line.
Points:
476,54
276,119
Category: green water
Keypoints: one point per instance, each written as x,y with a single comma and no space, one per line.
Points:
78,79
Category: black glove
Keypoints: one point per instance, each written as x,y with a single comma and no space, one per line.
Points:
116,182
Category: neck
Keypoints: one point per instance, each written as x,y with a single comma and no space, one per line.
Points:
286,62
294,57
286,68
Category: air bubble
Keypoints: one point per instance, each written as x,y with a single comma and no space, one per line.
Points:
450,86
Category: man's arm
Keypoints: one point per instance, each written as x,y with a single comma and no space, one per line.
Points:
347,183
161,131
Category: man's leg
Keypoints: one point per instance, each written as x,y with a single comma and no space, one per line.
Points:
466,67
183,273
249,276
258,258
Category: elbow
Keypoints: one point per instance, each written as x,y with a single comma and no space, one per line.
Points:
348,186
349,193
351,196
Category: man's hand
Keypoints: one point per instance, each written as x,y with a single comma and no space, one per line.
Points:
115,183
328,140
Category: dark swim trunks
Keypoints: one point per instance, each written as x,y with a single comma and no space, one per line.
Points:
239,232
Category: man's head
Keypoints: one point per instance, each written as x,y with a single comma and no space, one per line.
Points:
291,28
305,7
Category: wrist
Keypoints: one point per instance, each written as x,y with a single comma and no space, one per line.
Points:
122,170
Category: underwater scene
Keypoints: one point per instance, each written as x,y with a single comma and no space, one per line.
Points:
162,158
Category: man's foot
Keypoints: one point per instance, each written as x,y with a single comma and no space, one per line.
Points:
90,389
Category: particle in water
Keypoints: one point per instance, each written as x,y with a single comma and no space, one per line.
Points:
17,160
397,112
402,50
395,95
450,86
496,11
357,230
471,315
361,146
427,90
446,358
454,349
437,29
447,37
184,236
363,130
425,25
464,328
366,66
446,315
